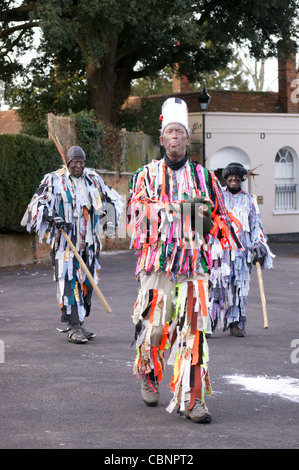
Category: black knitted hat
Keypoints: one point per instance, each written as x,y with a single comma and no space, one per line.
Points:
75,152
234,169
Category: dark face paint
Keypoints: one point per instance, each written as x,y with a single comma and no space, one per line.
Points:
234,183
76,167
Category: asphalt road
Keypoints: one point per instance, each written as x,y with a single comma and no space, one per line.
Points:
57,395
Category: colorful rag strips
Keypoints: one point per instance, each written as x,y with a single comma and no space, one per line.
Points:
58,195
163,241
230,272
183,334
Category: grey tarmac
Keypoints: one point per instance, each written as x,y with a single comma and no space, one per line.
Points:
58,395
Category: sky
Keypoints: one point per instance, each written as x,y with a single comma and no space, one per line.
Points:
271,75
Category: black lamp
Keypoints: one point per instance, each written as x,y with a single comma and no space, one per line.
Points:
204,100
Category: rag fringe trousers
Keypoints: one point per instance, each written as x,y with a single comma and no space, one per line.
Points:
174,315
74,291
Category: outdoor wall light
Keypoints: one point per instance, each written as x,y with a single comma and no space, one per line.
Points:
204,99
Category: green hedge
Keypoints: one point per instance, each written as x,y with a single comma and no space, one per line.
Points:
24,160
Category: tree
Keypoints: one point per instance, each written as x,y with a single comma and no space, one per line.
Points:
116,36
46,88
232,77
16,28
122,40
160,83
257,73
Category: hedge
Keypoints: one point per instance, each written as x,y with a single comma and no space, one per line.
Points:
24,160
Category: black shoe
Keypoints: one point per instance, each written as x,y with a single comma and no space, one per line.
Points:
87,334
75,335
236,331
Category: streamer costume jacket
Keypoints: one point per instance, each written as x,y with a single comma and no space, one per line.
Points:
91,210
231,269
173,263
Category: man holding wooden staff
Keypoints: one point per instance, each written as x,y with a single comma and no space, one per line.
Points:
175,204
74,208
230,278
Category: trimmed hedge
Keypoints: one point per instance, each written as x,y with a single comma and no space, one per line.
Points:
24,160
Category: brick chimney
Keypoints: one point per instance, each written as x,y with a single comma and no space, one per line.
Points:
180,84
286,79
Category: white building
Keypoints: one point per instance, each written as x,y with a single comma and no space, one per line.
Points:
269,140
254,128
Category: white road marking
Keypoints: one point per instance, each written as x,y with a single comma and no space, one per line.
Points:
284,387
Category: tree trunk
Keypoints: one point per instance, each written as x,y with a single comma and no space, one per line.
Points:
101,78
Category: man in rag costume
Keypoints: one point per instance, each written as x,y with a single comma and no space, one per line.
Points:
173,207
76,199
230,274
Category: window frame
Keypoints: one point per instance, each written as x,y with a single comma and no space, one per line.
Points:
286,181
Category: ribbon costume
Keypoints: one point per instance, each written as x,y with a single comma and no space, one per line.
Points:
88,209
173,262
231,269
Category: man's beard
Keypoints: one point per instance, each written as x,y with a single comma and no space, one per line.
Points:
234,190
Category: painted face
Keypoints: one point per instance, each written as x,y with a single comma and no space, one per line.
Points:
234,182
76,167
175,140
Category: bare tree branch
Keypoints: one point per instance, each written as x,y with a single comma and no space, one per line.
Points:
19,27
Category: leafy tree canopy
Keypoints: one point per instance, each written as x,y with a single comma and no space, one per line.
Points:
118,41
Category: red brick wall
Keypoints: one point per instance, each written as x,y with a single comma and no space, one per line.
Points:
287,80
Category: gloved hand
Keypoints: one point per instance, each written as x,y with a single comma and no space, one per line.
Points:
59,222
259,254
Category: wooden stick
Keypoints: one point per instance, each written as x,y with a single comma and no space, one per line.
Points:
262,292
85,269
59,147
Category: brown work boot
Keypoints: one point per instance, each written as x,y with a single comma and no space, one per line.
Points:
199,412
150,389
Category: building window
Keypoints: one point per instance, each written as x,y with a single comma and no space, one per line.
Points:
285,181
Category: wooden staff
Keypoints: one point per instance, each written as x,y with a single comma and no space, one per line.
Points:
85,269
59,147
73,248
262,292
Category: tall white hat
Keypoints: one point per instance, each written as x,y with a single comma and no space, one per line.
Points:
174,110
